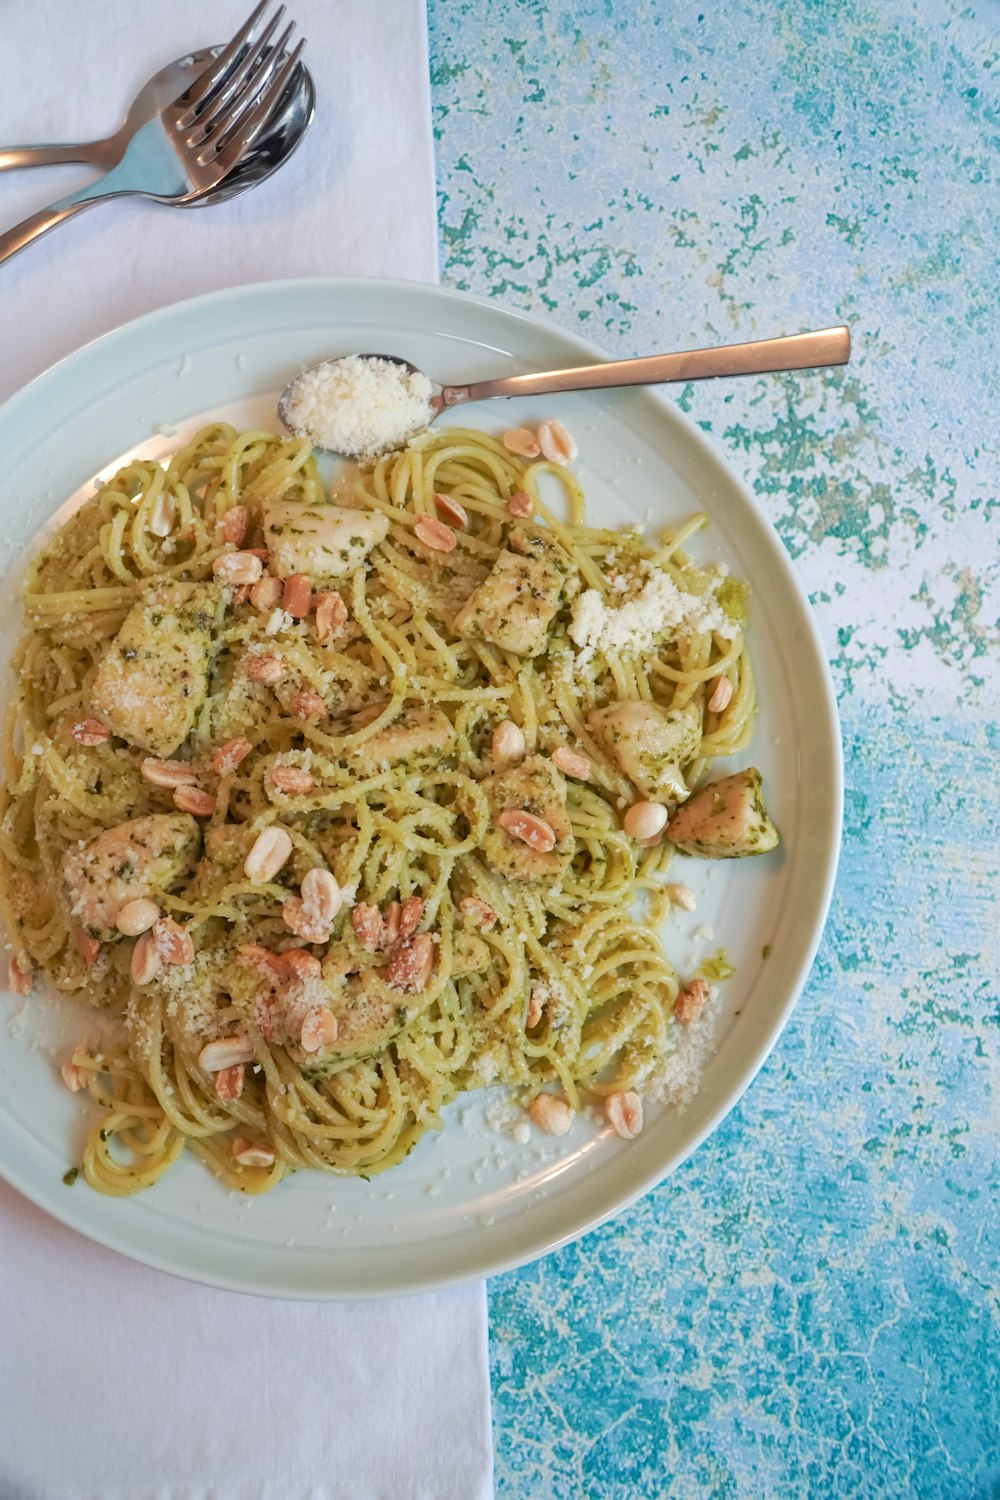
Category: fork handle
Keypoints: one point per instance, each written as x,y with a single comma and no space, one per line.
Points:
98,153
38,224
111,185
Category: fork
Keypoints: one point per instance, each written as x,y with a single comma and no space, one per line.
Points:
196,140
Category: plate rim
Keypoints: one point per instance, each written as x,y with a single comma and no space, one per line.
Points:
483,1264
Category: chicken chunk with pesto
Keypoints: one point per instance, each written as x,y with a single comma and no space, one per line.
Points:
322,541
725,820
152,679
517,600
650,745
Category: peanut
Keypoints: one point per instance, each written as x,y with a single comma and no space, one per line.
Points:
293,780
304,922
508,743
557,445
238,567
271,849
434,534
252,1153
319,1029
90,732
571,763
137,916
296,598
88,947
624,1112
331,615
191,799
228,756
682,896
410,968
163,516
645,820
321,895
452,510
691,1000
146,961
19,975
235,525
309,705
522,441
226,1053
266,592
551,1114
479,913
73,1076
167,773
530,830
174,944
721,696
266,669
229,1082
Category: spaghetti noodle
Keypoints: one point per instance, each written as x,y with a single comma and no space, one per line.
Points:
351,707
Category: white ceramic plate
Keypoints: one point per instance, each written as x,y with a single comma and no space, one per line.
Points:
469,1201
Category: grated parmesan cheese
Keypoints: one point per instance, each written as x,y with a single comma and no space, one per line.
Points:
659,609
360,406
674,1079
277,621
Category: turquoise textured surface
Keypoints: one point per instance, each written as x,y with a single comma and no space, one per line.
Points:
810,1306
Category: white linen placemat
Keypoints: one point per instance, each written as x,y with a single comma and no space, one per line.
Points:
116,1382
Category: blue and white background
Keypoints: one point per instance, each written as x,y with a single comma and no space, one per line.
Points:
809,1307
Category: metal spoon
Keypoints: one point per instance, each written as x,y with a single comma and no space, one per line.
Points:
797,351
275,146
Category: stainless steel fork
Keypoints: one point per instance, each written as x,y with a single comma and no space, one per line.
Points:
196,140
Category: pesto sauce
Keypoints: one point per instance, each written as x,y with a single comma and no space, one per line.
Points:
716,967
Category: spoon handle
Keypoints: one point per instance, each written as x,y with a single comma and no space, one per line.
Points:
98,153
798,351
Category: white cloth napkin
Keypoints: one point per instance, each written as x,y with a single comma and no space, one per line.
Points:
116,1382
357,198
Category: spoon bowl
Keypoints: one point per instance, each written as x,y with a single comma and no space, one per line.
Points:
271,150
797,351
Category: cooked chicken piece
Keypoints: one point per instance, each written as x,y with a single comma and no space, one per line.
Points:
153,677
144,857
366,1022
417,732
280,999
650,744
367,1018
726,820
226,848
228,844
536,787
515,603
324,541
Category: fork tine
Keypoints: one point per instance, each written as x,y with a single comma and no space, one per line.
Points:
258,117
229,120
242,78
218,69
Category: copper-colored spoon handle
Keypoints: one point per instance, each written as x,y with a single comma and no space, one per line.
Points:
797,351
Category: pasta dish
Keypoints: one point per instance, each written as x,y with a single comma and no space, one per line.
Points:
345,806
